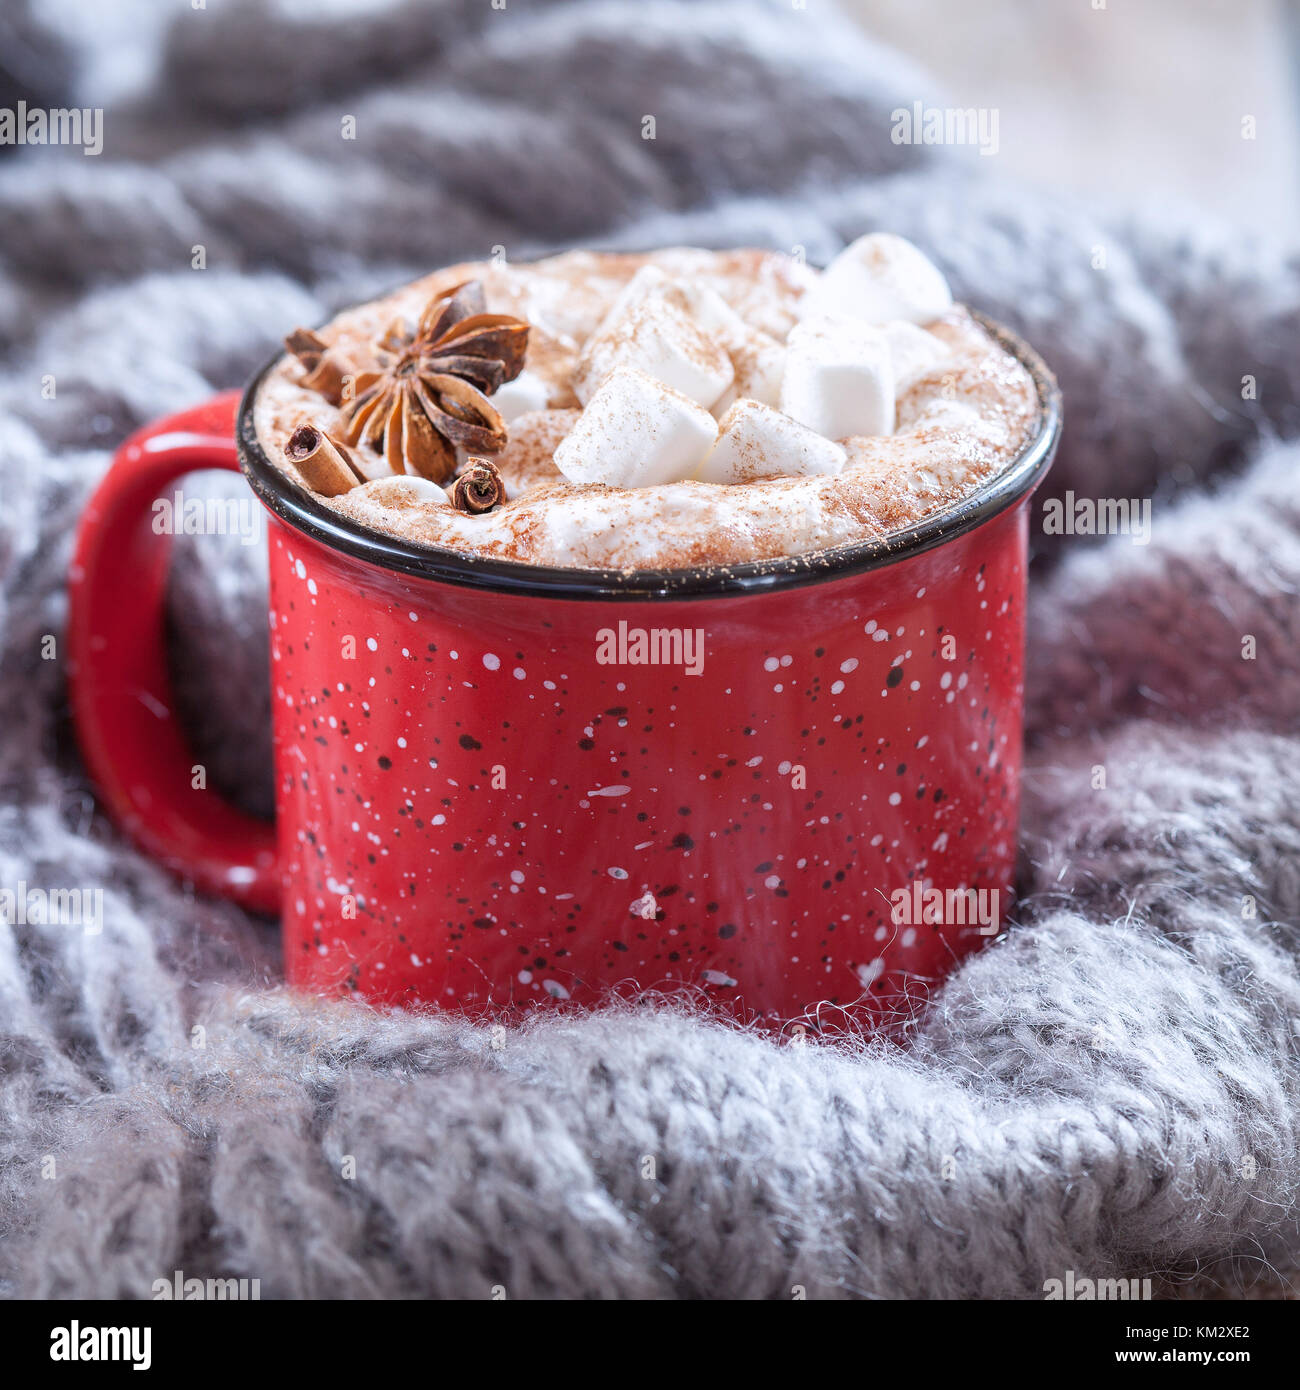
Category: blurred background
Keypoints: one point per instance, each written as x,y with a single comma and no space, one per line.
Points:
1132,99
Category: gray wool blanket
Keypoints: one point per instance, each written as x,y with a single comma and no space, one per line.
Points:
1111,1088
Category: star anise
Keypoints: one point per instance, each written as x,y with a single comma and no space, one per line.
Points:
324,370
430,393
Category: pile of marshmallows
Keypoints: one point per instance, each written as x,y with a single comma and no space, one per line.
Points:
675,384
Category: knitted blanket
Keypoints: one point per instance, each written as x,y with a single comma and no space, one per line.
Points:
1111,1088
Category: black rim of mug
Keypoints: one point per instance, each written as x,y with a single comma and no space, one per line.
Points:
304,512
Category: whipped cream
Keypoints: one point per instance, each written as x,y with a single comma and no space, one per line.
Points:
962,407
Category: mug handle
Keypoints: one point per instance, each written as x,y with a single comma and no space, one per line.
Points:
120,691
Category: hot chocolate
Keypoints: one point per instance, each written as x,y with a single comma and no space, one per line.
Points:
675,408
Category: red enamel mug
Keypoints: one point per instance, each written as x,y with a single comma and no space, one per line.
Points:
787,788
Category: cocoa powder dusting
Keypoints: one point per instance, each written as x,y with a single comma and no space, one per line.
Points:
956,426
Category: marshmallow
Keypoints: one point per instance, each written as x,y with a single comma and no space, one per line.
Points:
636,432
877,278
759,442
839,378
913,351
657,336
648,283
759,364
708,308
701,303
757,359
520,396
402,491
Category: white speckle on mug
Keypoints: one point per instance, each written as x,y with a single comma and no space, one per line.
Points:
869,973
